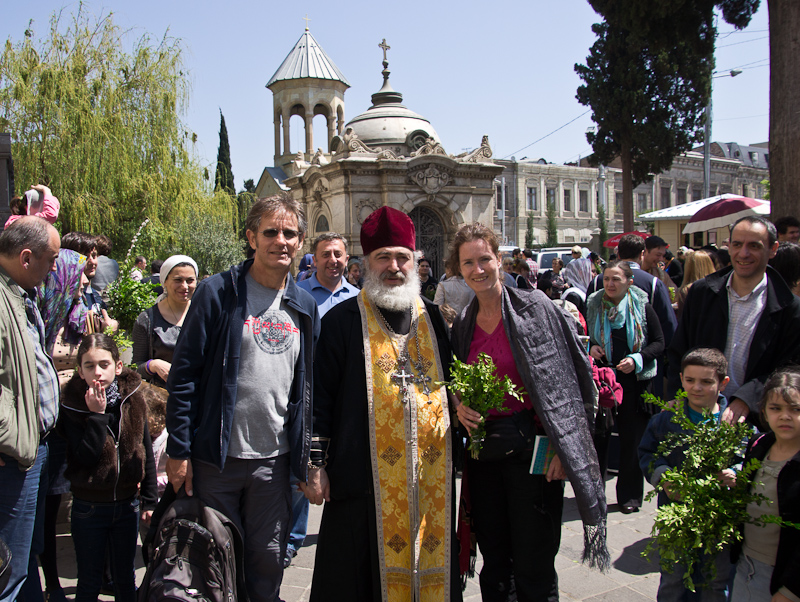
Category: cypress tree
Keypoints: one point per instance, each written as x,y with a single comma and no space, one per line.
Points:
223,180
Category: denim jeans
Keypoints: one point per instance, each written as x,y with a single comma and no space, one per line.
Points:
671,588
19,496
299,526
97,527
752,580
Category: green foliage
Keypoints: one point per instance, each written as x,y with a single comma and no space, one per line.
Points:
765,184
249,186
128,297
552,225
529,232
223,179
603,225
101,125
482,390
709,514
212,242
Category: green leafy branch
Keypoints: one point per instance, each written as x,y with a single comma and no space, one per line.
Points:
709,514
481,390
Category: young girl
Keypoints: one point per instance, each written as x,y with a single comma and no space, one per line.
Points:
109,456
768,567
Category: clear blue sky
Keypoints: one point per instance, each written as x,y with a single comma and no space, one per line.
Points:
503,68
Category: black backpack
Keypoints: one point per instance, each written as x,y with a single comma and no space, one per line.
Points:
195,554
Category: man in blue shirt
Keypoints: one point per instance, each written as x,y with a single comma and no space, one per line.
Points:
329,287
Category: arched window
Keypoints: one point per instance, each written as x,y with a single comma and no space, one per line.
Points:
322,225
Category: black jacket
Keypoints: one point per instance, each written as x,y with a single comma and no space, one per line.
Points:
340,396
102,466
704,323
787,562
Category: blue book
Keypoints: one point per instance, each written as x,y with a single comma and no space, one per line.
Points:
543,454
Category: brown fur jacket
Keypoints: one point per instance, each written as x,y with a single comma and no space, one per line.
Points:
110,454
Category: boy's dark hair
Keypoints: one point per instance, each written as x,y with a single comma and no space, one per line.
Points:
544,284
80,242
783,224
653,242
782,382
104,244
787,262
527,253
98,340
706,357
630,247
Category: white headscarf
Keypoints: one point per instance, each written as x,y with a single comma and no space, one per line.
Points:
579,273
170,263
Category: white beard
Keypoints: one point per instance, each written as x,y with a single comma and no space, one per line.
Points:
393,298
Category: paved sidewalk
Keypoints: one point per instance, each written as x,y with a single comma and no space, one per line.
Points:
631,578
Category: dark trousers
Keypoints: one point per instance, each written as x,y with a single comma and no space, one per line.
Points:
517,521
632,419
96,528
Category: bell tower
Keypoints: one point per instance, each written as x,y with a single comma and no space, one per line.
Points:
307,83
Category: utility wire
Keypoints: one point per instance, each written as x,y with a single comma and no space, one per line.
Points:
547,135
744,42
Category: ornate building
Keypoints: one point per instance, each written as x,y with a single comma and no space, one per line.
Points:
387,155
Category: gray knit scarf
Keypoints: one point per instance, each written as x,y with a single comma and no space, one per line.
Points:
557,376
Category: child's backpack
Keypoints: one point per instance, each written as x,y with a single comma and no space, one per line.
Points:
195,555
610,391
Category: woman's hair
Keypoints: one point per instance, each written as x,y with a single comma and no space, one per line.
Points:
470,233
353,262
98,340
622,265
80,242
787,262
698,265
782,382
521,266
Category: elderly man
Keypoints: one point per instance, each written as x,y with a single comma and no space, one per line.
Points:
239,409
747,312
382,449
28,251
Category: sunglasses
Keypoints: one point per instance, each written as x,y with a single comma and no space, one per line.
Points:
273,232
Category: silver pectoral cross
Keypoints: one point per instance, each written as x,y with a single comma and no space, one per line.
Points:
403,378
426,390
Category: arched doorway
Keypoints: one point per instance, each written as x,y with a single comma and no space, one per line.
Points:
430,237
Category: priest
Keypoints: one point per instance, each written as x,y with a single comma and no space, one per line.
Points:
382,447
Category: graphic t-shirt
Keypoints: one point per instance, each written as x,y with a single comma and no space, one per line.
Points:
270,348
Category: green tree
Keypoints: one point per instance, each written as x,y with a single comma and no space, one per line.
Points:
601,222
647,80
249,186
552,225
223,179
529,232
98,118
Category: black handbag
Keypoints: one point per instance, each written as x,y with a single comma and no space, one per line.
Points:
508,436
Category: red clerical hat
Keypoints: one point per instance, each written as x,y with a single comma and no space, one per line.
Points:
387,227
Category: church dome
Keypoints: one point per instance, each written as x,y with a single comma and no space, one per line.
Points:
388,123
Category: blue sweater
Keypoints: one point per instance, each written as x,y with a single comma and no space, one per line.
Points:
653,464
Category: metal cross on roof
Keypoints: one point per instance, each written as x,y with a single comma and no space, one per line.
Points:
385,47
306,19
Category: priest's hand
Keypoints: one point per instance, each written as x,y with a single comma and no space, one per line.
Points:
318,487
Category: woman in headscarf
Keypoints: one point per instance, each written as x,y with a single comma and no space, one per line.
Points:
156,329
578,274
626,335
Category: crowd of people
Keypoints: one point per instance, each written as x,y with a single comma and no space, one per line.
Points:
261,392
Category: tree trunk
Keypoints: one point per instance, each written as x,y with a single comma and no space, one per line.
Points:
784,114
627,188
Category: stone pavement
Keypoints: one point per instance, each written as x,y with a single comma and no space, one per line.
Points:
631,578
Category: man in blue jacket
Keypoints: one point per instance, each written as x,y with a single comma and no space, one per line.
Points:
239,410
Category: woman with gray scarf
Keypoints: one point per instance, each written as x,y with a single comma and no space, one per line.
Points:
515,515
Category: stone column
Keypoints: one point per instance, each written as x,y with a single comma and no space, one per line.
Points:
309,120
331,119
277,134
286,144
